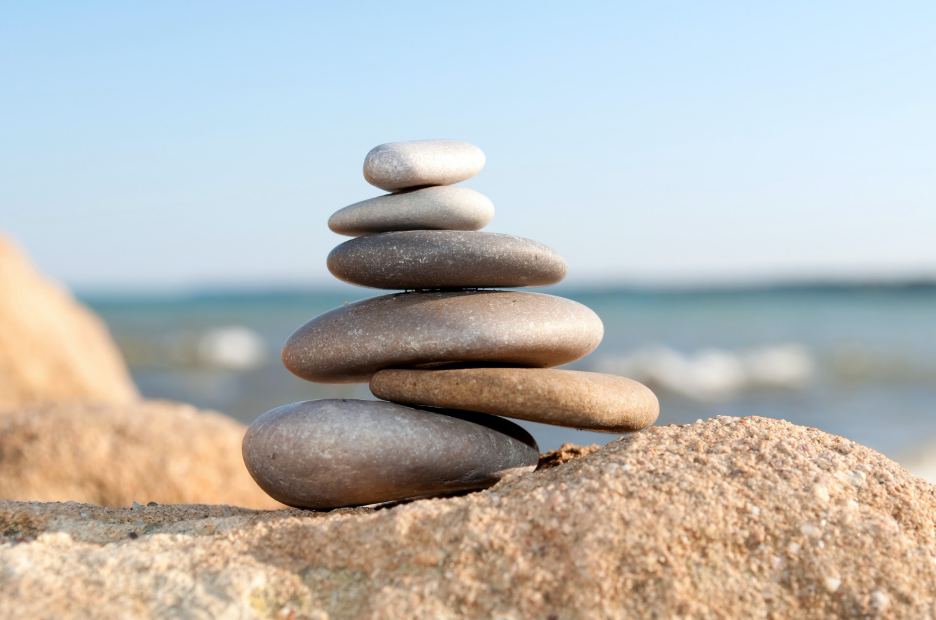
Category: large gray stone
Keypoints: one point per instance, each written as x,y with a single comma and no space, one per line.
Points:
331,453
417,163
447,207
586,400
352,342
431,259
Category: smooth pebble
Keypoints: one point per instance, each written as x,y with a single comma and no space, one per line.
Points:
514,328
417,163
447,207
586,400
330,453
433,259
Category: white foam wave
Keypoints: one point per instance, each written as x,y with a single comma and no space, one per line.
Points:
715,374
233,347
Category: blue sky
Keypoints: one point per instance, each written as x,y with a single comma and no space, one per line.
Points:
180,144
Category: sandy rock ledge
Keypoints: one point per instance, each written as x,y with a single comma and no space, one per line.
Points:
723,518
113,455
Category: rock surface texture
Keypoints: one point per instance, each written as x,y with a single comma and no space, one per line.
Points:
432,259
587,400
327,453
733,518
116,454
51,347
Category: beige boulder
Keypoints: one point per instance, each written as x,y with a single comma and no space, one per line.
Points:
732,518
114,455
52,348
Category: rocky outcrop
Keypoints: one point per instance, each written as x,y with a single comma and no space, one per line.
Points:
51,347
724,518
113,455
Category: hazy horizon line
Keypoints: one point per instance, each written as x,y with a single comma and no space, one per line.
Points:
791,284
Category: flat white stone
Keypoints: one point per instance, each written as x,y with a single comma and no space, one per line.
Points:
447,207
417,163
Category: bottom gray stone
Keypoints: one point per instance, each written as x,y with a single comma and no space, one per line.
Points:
331,453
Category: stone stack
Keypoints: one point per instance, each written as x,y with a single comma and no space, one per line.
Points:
448,357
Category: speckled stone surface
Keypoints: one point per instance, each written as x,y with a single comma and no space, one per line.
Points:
332,453
516,328
587,400
416,163
433,259
447,207
726,518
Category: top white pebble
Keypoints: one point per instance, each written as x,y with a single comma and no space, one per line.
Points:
418,163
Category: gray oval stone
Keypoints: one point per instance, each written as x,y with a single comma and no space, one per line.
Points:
331,453
432,259
398,165
504,328
448,207
587,400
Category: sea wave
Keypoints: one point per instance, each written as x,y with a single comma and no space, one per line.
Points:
716,374
227,347
234,347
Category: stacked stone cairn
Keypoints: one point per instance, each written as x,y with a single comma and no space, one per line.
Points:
448,356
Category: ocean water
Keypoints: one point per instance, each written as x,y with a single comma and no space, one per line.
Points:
857,361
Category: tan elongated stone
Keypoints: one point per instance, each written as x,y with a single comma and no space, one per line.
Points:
431,259
447,207
586,400
332,453
417,163
352,342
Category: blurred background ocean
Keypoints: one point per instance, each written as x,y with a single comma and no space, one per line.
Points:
744,192
857,360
